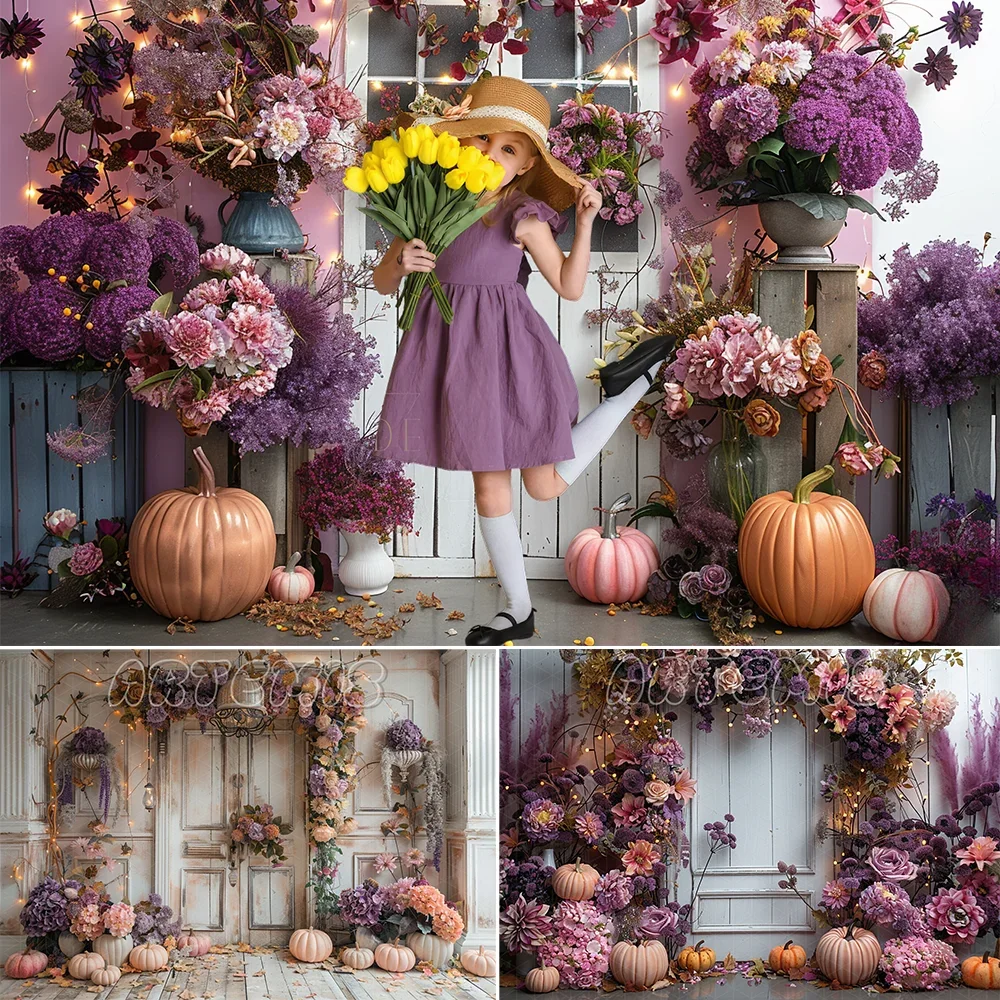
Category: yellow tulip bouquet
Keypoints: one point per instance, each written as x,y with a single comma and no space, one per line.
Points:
424,186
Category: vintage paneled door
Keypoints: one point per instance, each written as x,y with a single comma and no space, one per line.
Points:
234,897
384,51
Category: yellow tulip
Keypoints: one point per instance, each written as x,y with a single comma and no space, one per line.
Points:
448,154
371,161
376,179
425,132
410,142
476,181
394,168
455,179
378,147
354,180
428,152
469,157
494,177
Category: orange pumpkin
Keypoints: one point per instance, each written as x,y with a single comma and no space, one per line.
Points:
848,954
787,956
575,881
201,553
696,959
806,558
544,979
639,965
983,973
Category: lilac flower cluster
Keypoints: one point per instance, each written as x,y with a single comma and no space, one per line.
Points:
361,906
608,146
532,879
154,922
404,734
77,264
864,741
613,891
938,327
46,909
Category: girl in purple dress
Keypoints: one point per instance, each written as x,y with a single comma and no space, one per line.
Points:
493,391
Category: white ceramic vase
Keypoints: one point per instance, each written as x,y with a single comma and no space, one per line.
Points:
114,950
367,568
363,938
70,944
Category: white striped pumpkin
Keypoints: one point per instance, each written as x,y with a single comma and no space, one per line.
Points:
849,955
640,965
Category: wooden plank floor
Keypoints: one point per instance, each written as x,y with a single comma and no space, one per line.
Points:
258,976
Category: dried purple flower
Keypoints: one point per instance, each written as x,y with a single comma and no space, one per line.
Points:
963,23
938,68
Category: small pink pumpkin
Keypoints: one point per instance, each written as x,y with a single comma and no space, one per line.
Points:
612,566
197,944
907,604
291,583
25,964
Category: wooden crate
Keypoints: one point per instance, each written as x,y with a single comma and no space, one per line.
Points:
950,449
782,292
269,474
36,480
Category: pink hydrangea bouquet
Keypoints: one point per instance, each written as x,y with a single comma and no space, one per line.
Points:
119,919
224,345
608,147
258,830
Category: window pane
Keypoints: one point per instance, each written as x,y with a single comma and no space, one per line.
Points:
551,50
455,50
607,237
617,95
609,41
392,48
407,91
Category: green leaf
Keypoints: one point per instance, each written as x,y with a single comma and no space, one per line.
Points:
819,206
158,377
810,318
856,201
770,144
163,303
109,549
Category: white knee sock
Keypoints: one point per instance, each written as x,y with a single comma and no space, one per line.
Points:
592,433
503,541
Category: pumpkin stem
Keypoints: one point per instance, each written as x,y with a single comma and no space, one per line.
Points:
697,947
788,944
620,505
206,474
293,561
808,483
996,950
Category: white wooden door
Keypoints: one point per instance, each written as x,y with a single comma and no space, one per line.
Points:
234,897
383,52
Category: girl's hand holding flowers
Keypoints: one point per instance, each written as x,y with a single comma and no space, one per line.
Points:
414,256
588,203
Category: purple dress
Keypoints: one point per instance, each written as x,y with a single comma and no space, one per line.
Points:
493,390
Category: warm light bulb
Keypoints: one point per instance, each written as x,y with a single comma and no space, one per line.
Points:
147,796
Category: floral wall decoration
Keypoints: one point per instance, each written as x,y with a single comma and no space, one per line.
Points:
611,791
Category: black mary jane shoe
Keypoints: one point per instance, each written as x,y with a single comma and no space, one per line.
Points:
483,635
617,376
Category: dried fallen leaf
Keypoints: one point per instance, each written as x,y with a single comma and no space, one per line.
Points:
729,963
433,601
183,623
456,616
187,995
405,609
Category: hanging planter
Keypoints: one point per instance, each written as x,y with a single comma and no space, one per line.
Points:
89,751
403,749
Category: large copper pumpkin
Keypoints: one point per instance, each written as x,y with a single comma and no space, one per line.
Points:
201,553
806,558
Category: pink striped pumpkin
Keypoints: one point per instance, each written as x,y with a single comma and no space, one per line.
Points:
614,565
639,965
907,604
848,954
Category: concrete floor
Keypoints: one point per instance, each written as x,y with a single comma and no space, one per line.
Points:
561,617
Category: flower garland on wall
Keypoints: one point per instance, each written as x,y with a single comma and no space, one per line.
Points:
613,789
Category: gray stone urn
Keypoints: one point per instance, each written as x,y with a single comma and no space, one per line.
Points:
801,238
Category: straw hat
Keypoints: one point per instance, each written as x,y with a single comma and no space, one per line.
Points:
505,104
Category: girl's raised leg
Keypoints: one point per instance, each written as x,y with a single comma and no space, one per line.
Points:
503,541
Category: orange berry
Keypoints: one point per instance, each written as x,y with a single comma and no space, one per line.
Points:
62,278
86,267
51,271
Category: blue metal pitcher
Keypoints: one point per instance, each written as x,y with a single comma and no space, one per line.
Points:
258,227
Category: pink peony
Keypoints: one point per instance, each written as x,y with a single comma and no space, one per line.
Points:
867,686
250,288
956,913
337,101
192,339
832,676
282,130
939,709
840,713
739,365
212,292
779,369
698,365
852,459
226,260
86,559
60,522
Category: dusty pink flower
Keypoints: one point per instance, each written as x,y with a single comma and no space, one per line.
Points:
698,365
903,723
192,339
981,852
589,827
840,713
956,913
676,400
897,699
832,676
250,288
640,858
891,864
384,862
86,559
683,786
939,709
631,811
728,678
226,260
867,686
739,365
60,522
212,292
852,459
779,369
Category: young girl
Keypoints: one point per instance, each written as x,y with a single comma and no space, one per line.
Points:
493,391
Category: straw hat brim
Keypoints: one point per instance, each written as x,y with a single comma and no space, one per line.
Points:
554,182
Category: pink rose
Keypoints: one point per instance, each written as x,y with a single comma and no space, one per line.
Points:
676,400
657,792
852,459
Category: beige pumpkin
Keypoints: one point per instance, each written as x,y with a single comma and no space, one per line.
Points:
639,965
544,979
310,945
430,948
784,957
394,957
70,944
479,962
357,958
696,959
197,944
575,881
202,553
148,957
84,965
114,950
107,976
848,954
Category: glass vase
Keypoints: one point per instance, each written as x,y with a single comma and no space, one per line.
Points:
736,469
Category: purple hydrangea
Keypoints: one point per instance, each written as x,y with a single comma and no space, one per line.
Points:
89,740
45,910
317,781
613,892
864,154
361,906
404,734
748,113
817,124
